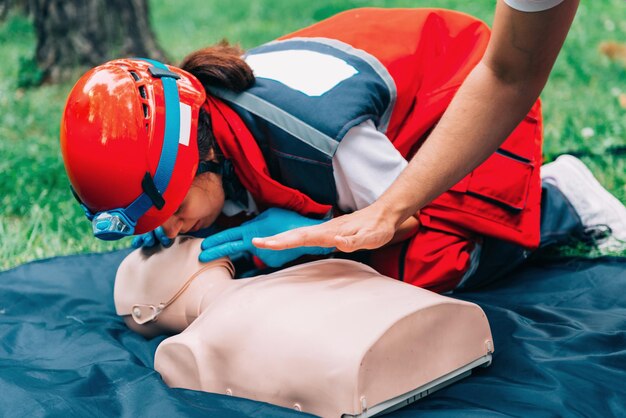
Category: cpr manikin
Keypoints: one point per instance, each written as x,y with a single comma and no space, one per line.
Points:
332,337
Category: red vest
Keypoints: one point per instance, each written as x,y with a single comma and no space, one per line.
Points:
428,54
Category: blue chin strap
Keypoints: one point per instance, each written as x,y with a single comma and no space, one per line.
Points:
118,223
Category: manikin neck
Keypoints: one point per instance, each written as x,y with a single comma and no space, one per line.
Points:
157,298
207,287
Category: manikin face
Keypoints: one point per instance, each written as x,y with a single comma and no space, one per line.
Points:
200,208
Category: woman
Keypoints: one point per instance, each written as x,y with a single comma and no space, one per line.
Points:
317,123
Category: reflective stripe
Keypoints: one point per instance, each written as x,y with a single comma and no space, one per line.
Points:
277,116
371,60
185,124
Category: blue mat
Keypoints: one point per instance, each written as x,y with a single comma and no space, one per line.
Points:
559,331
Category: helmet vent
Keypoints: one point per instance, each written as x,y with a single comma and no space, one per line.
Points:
146,111
135,75
142,92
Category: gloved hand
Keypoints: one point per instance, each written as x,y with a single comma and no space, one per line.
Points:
272,221
152,238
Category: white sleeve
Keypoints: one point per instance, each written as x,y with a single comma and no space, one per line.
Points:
532,5
365,164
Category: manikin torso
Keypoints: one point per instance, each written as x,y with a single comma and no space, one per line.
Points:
330,337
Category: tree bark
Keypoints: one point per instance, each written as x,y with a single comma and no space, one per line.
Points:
84,33
21,6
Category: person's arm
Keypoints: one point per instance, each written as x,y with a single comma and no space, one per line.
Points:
492,101
407,229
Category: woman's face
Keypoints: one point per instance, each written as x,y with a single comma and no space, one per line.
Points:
200,208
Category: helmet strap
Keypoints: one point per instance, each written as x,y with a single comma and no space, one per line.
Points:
233,189
150,189
210,166
120,222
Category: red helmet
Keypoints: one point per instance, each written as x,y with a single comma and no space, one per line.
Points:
128,138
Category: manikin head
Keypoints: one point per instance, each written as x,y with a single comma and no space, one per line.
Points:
162,291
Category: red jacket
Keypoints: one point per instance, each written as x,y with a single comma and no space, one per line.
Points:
428,53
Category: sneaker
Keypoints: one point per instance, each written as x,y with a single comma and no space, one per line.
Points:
594,204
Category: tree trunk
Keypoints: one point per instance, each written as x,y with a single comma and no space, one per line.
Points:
21,6
84,33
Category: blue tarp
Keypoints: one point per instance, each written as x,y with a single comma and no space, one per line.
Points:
559,330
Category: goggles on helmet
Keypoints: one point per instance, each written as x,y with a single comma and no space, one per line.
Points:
118,223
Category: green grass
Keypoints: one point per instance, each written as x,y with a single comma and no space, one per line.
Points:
39,218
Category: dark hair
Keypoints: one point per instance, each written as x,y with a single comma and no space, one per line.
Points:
219,65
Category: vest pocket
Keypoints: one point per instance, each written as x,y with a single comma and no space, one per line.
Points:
503,179
521,144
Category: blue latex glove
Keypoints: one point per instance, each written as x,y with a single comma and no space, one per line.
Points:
272,221
152,238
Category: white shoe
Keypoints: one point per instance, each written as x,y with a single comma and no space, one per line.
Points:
594,204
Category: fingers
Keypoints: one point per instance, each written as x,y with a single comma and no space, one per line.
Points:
345,236
343,244
222,250
310,236
225,243
137,242
150,239
223,237
364,239
349,244
159,233
143,240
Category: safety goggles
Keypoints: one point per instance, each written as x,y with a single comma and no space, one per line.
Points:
118,223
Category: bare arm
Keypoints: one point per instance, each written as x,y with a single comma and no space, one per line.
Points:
407,229
492,101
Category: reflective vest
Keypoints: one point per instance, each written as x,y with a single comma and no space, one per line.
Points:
401,69
307,95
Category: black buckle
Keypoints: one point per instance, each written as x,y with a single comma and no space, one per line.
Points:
150,189
162,72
